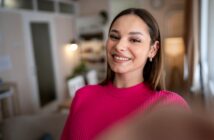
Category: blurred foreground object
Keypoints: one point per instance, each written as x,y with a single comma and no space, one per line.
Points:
169,123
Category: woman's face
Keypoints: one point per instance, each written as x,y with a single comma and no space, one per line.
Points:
128,45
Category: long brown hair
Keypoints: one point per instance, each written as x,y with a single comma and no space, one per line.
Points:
152,73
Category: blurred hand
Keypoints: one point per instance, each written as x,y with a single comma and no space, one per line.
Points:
166,123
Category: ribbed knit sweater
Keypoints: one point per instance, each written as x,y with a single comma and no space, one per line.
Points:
96,108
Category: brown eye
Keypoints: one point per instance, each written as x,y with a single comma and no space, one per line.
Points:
114,37
134,40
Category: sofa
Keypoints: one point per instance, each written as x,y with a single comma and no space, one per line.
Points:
46,126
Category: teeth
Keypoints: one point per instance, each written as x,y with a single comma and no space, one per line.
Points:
121,58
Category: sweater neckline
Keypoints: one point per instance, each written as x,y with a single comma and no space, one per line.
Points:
132,90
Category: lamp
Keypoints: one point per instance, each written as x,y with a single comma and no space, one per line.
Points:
72,45
174,46
174,50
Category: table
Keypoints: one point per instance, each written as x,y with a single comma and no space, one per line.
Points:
8,102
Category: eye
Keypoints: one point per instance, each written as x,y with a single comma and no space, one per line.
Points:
114,37
135,40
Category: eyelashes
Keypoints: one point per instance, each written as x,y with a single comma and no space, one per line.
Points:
135,40
114,37
131,39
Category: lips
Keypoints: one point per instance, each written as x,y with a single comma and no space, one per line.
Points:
121,58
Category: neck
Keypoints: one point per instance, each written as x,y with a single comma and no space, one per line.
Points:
125,80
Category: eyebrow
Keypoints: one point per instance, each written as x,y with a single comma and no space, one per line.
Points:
131,33
136,33
113,30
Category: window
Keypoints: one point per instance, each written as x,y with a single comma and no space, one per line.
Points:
45,5
20,4
66,8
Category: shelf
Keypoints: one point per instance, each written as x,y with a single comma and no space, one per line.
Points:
5,94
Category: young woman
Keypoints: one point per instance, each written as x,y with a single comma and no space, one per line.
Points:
132,85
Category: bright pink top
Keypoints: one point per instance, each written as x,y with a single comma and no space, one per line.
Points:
96,107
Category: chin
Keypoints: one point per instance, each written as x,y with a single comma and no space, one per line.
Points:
119,70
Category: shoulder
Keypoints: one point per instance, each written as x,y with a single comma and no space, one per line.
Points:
88,92
170,95
88,89
84,95
172,98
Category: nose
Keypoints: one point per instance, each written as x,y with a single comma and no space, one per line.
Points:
121,45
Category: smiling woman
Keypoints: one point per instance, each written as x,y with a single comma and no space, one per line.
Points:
142,36
128,49
133,81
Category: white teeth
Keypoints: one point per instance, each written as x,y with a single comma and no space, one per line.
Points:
121,58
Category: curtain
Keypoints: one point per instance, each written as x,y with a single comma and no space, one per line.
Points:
192,45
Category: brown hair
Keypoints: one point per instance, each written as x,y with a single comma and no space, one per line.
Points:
152,73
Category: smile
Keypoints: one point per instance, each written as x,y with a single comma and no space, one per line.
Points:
120,58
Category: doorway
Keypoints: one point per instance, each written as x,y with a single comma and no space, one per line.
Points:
42,52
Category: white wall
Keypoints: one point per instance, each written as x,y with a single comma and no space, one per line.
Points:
118,5
12,44
65,32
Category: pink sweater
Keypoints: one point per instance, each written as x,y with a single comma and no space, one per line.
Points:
96,107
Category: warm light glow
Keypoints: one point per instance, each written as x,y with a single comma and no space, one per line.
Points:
174,46
11,3
72,47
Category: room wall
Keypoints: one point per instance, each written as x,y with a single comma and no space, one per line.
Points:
12,44
165,13
115,6
92,7
65,29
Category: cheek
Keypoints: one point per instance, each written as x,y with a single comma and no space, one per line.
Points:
109,45
141,54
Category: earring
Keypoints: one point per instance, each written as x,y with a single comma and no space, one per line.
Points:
150,59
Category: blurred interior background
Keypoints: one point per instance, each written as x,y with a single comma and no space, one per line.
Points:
50,48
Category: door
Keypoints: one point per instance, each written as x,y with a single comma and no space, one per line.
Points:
42,52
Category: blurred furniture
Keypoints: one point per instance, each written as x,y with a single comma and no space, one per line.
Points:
4,95
94,56
8,99
65,105
34,127
91,77
74,84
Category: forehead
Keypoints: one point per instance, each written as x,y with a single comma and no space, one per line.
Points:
129,23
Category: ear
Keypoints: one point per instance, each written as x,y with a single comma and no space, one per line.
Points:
154,49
